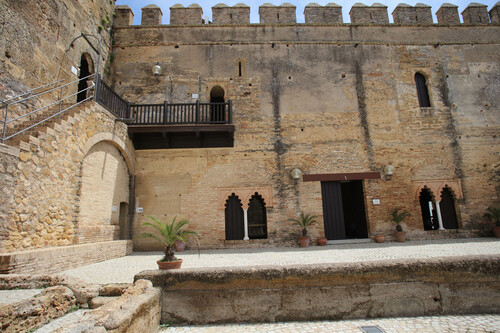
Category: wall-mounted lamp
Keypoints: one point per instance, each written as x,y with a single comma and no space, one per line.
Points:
388,171
296,173
156,71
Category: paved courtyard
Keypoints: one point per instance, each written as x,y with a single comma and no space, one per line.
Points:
122,270
441,324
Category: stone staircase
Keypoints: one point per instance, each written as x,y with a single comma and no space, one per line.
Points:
34,119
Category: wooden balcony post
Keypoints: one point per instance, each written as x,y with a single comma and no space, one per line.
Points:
197,111
165,112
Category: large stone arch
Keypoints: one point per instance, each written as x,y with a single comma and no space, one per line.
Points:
104,191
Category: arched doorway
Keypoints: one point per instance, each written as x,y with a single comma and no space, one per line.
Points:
104,195
257,219
217,111
86,68
429,212
234,218
448,210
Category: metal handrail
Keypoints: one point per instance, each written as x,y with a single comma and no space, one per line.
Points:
30,91
56,88
6,121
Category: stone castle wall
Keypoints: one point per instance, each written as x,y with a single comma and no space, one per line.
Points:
47,199
331,13
40,42
324,106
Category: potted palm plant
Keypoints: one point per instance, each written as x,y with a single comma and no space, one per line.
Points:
168,234
397,217
304,222
493,214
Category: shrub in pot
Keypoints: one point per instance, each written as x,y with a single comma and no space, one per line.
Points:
304,221
493,214
168,234
397,217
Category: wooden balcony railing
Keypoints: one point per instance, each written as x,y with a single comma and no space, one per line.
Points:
181,113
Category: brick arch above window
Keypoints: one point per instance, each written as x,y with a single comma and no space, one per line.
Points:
437,186
245,194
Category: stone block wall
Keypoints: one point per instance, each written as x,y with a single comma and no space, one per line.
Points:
151,15
476,13
270,14
375,13
38,45
420,14
186,15
124,16
237,14
451,286
44,208
328,14
495,14
448,14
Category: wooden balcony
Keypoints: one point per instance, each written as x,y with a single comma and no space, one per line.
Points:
181,125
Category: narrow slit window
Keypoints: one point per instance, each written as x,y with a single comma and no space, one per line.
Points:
239,68
422,92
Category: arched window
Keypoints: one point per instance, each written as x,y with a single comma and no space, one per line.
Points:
429,212
448,210
423,94
257,219
86,68
234,218
217,109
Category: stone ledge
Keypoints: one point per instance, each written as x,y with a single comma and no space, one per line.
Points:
415,287
9,150
56,259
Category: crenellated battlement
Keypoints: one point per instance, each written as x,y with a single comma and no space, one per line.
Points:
331,13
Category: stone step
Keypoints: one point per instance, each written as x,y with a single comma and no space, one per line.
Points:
99,301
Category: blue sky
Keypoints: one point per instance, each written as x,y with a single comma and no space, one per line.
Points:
136,6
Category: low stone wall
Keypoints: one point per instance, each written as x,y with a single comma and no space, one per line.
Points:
137,310
56,259
461,285
134,308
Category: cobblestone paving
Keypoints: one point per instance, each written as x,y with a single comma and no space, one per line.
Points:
441,324
16,295
122,270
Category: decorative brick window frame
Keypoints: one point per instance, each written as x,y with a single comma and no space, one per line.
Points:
245,194
436,186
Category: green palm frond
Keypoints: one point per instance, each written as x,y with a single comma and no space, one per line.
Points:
168,233
398,216
493,214
304,222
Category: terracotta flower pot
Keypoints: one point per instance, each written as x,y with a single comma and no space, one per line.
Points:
169,264
400,236
496,230
379,238
180,246
322,241
304,241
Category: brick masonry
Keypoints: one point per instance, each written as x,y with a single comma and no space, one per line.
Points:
56,259
353,109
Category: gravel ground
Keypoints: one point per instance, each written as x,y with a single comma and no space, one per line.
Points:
437,324
122,270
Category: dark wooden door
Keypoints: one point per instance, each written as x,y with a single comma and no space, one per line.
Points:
333,213
353,202
234,218
257,220
448,212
